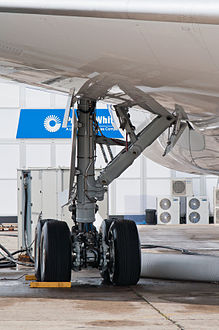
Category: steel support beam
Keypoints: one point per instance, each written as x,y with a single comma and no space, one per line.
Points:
126,157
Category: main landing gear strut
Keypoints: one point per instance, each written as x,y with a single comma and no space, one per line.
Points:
115,249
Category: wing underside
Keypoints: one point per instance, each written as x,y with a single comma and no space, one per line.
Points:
166,49
187,11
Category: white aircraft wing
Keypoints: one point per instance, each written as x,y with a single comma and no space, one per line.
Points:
166,49
187,11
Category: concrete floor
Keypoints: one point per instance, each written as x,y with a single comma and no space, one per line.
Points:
89,304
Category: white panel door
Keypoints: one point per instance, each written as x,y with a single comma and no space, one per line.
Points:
38,155
8,123
155,170
36,98
8,198
63,154
128,197
9,95
9,155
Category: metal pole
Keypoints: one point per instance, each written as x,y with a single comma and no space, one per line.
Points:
85,206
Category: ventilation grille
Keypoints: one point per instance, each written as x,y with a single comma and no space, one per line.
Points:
165,217
194,204
194,217
165,204
168,210
182,187
179,187
197,210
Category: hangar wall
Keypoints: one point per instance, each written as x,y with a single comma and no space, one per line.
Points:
132,193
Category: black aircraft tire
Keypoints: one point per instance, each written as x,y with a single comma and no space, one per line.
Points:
104,229
56,256
38,232
125,253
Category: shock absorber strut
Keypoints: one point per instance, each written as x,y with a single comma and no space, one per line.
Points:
85,207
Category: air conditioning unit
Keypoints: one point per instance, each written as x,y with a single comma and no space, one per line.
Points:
197,210
216,205
181,187
168,210
38,196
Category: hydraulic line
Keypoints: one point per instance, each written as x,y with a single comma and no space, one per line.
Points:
16,261
6,251
7,265
183,251
11,261
8,235
13,253
12,279
25,222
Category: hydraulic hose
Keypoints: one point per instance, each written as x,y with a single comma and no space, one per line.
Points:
25,218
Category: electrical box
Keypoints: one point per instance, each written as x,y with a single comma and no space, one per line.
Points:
168,210
197,210
39,197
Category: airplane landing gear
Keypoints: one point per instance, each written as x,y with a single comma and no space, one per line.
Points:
116,249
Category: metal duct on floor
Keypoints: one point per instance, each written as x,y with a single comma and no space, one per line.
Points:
202,268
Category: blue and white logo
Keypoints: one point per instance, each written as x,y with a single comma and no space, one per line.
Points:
42,124
52,123
47,124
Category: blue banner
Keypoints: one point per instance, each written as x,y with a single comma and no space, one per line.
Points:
47,124
107,125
